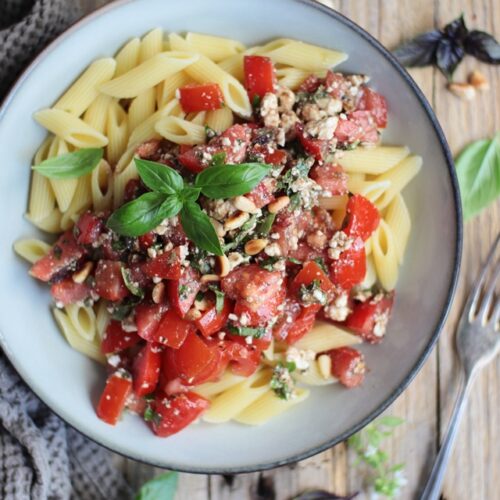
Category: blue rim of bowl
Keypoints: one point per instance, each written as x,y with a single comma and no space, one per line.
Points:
457,256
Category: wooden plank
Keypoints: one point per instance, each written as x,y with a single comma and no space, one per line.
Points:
473,470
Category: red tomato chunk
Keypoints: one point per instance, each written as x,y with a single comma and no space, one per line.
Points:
363,217
166,265
68,292
200,97
146,369
109,282
259,75
117,339
173,330
114,397
348,365
182,292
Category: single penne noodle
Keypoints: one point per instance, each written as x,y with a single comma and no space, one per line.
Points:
305,56
373,160
117,132
151,44
42,152
97,113
180,131
83,320
70,128
90,349
204,70
368,246
197,118
127,57
102,318
325,336
398,219
233,401
101,185
220,119
50,224
121,180
400,176
371,273
269,406
294,77
214,47
275,44
42,200
82,200
374,190
355,182
338,202
165,91
125,160
85,90
64,189
313,376
211,389
148,74
385,256
141,108
31,249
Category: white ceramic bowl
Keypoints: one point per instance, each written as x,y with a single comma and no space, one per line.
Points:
70,384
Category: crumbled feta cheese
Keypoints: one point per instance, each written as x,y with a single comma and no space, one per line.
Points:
380,324
114,360
269,110
249,340
302,358
226,141
338,244
338,308
273,250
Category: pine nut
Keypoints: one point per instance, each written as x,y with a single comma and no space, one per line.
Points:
478,80
235,259
236,221
279,204
219,228
207,278
223,266
158,292
193,314
325,366
244,204
462,90
253,247
81,275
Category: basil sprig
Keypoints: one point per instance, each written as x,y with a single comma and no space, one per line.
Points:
70,165
171,196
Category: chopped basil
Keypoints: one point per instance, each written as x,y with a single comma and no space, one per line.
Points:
244,231
294,261
219,298
312,294
130,284
152,416
281,382
265,226
321,263
246,331
210,132
256,101
218,159
298,171
124,308
268,264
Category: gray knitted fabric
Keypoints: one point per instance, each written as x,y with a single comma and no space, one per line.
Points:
41,457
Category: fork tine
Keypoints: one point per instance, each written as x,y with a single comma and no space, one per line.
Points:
476,292
486,304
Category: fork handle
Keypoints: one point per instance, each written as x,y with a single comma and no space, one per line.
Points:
433,487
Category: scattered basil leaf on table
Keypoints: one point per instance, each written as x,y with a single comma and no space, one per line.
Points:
70,165
143,214
447,47
158,177
478,171
199,228
161,487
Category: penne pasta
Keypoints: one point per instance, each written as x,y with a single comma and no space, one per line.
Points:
180,131
117,132
128,57
101,186
42,199
151,44
97,113
324,337
31,249
166,90
373,160
211,389
102,318
398,219
86,89
385,256
214,47
293,77
313,375
82,319
120,182
220,119
51,223
82,200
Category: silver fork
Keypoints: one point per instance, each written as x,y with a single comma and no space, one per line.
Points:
478,341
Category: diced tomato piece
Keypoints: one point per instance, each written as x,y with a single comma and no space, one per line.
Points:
177,412
114,397
135,404
62,257
363,217
166,265
146,369
336,84
309,273
194,362
260,77
262,194
200,97
244,358
117,339
147,319
257,292
133,189
147,240
310,84
301,321
233,142
358,126
68,292
173,330
348,365
315,147
331,178
350,268
212,321
88,228
376,104
369,319
348,131
183,291
109,282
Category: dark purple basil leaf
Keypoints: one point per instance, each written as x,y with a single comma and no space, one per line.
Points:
482,46
456,30
420,51
323,495
448,56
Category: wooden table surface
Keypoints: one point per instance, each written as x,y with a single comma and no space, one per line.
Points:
474,470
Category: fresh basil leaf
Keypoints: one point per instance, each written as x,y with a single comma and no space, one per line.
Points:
143,214
294,261
265,226
210,132
456,29
189,193
199,229
478,171
390,421
159,177
246,331
161,487
482,46
226,181
219,298
449,54
133,287
420,51
268,264
218,159
70,165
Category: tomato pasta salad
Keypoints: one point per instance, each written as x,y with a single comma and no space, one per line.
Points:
229,226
